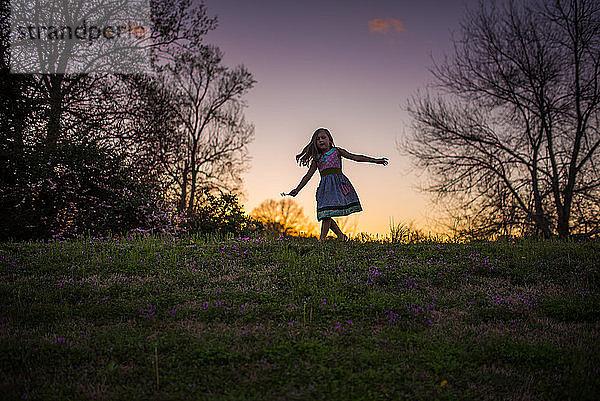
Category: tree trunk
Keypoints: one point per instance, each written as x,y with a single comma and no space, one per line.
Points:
183,195
54,114
192,183
539,215
563,221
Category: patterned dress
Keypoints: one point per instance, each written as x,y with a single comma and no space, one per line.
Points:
335,195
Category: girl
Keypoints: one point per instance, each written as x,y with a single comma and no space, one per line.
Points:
335,194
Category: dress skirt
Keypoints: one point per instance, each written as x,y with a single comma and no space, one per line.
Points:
336,197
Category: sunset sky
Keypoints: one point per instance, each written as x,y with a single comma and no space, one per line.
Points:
349,66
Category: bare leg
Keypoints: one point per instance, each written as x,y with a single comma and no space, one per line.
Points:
336,229
325,228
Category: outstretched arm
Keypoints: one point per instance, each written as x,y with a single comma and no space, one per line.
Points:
361,158
305,179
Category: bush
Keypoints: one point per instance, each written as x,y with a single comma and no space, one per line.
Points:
222,214
82,189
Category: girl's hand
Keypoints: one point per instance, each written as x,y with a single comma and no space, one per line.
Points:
293,192
383,161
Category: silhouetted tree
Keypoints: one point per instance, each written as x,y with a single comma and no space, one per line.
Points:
284,216
209,148
513,133
87,104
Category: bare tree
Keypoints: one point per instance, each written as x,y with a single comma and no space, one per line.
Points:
284,216
210,147
79,103
512,134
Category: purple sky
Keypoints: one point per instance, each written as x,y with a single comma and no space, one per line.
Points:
349,66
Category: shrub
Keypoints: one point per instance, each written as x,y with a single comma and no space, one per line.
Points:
222,214
82,189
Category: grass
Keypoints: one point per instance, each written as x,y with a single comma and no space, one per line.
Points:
268,318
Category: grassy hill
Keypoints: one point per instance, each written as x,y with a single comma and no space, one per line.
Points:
269,318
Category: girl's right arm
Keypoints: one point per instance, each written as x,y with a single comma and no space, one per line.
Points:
305,179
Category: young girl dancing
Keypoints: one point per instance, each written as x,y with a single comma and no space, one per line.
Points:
335,195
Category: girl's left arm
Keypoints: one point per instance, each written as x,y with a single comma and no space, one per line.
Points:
361,158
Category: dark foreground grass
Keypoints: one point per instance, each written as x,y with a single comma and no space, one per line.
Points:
153,318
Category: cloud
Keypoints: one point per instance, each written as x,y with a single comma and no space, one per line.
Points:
385,26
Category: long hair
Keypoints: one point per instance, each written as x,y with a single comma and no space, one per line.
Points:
311,151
